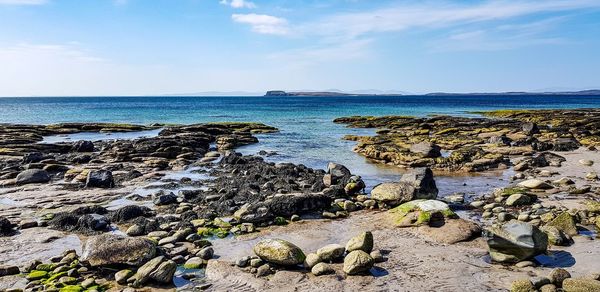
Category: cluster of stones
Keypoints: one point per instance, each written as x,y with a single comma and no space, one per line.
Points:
473,144
357,256
558,280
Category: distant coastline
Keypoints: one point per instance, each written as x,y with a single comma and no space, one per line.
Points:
333,93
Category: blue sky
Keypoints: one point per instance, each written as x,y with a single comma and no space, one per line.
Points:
136,47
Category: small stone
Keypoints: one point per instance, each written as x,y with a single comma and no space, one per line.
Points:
377,256
122,276
591,176
535,184
548,288
242,262
206,253
331,252
558,275
295,218
538,282
586,162
363,241
311,260
263,270
255,263
322,269
581,285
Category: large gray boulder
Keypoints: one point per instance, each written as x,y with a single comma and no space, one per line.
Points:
516,241
393,193
279,251
32,176
414,185
110,249
422,179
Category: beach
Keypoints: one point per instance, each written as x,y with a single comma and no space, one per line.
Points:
435,187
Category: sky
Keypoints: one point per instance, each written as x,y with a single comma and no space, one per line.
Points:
154,47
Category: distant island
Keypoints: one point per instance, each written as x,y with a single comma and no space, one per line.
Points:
333,93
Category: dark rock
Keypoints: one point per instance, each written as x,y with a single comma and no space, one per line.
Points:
83,146
565,144
6,228
33,176
164,199
129,212
99,179
32,157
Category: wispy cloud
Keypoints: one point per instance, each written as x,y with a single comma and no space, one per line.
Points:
263,24
23,2
238,3
436,15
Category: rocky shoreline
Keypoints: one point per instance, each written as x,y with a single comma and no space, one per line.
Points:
145,213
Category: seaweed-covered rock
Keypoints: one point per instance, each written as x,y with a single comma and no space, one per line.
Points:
516,241
110,249
565,222
421,212
279,251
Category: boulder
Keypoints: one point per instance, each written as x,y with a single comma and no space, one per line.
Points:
556,237
32,157
99,179
426,149
31,176
422,179
357,262
516,241
279,251
158,269
331,252
110,249
535,184
336,174
363,241
393,193
421,212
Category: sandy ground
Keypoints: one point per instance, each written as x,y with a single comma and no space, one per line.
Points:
414,262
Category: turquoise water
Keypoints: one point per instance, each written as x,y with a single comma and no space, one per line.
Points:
307,134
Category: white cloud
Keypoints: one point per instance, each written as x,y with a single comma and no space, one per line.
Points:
262,23
22,2
238,3
436,15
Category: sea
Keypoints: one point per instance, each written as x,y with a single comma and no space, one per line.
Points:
307,133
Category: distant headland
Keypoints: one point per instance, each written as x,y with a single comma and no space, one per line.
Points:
516,93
